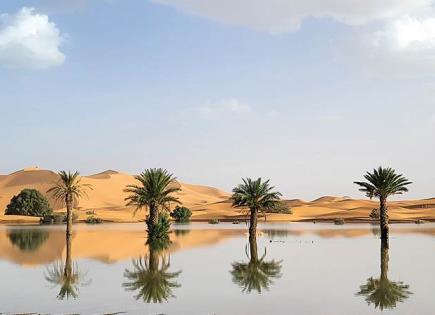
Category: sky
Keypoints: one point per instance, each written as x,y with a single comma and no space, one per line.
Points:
307,93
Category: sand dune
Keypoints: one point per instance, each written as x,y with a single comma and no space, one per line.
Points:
107,200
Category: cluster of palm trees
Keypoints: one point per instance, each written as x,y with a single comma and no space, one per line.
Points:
155,192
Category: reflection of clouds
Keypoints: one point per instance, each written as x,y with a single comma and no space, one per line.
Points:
278,16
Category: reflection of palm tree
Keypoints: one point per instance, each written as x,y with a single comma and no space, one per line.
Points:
151,278
382,292
256,274
66,275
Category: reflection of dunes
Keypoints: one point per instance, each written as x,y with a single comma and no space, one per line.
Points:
111,243
106,244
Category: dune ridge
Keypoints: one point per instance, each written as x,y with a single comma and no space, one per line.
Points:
107,201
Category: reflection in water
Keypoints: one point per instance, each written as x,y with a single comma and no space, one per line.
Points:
150,277
66,275
27,240
382,292
257,274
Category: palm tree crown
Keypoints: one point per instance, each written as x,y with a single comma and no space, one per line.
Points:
383,182
255,194
69,188
155,189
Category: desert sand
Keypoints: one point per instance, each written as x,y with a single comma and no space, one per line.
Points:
107,201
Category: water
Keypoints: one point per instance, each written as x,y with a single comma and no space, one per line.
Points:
301,268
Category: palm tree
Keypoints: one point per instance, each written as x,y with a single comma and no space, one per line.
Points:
66,275
68,190
257,274
154,193
382,292
150,277
382,183
256,196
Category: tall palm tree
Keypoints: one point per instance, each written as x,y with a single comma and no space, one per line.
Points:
382,292
68,190
257,196
257,274
151,277
155,192
66,275
382,183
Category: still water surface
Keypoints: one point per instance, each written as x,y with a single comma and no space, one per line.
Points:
298,268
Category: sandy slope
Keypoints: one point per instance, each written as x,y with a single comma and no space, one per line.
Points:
107,200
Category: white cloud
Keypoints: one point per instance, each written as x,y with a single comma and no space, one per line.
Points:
280,16
224,107
404,48
29,40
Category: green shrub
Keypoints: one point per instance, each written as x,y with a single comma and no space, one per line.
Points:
159,231
181,214
213,221
338,221
29,202
93,220
280,207
374,214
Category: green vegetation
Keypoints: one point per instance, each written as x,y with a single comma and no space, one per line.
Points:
155,193
213,221
280,207
58,218
29,202
374,214
257,196
27,240
338,221
181,214
382,183
91,219
68,190
159,232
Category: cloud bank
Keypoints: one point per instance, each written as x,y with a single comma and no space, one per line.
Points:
29,40
280,16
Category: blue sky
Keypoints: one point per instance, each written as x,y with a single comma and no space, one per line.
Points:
307,93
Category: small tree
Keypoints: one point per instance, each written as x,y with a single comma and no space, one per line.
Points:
29,202
181,214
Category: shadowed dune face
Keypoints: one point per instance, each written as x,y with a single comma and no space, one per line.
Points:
107,200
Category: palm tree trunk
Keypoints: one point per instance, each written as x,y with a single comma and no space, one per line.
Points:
383,222
384,259
68,259
154,215
68,219
253,224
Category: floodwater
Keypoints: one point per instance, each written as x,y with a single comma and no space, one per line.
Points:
294,268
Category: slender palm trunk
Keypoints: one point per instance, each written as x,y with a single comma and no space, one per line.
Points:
253,224
384,259
68,202
383,222
68,259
